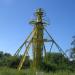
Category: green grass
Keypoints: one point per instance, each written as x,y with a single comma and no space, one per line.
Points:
8,71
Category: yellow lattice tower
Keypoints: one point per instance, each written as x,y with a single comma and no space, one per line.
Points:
37,41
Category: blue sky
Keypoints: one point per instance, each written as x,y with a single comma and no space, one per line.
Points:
16,14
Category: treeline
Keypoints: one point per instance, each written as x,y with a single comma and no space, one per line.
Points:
7,60
57,61
53,62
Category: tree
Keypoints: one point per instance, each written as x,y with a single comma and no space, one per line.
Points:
1,54
55,61
73,48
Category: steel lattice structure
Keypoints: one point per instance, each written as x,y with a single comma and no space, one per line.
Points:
37,41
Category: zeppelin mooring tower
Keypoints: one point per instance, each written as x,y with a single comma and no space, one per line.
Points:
37,41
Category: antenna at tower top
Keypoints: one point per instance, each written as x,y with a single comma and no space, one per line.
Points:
39,13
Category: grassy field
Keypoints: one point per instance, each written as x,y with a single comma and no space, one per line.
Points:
8,71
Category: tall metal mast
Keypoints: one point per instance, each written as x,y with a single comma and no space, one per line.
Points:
37,43
36,39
